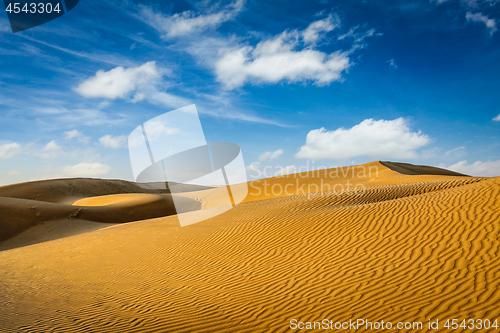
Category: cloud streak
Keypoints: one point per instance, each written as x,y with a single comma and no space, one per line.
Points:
113,142
76,134
270,155
315,31
188,22
51,150
9,150
86,170
490,24
478,168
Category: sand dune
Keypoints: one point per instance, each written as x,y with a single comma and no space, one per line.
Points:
23,206
412,247
338,180
66,191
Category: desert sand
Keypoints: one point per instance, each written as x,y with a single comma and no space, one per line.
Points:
86,255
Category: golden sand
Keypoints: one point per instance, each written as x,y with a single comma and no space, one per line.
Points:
415,246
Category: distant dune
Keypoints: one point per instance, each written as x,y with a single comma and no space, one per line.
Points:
380,241
26,205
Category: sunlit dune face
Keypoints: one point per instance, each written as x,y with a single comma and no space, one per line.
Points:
117,199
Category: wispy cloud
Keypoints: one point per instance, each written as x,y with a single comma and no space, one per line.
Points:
358,36
50,117
76,134
114,142
392,63
104,58
239,116
51,150
9,150
86,170
189,22
491,24
449,152
478,168
468,3
316,30
268,155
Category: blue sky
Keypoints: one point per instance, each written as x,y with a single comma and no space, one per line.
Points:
323,83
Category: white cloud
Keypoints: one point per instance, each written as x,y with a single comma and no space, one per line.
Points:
188,22
134,83
491,25
9,150
478,168
118,82
51,150
497,118
277,59
114,142
454,150
313,32
87,170
392,63
76,134
13,173
373,138
270,155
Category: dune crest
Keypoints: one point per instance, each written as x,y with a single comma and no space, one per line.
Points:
114,201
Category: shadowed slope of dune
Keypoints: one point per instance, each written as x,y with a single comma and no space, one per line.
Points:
400,251
23,206
66,191
410,169
18,215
